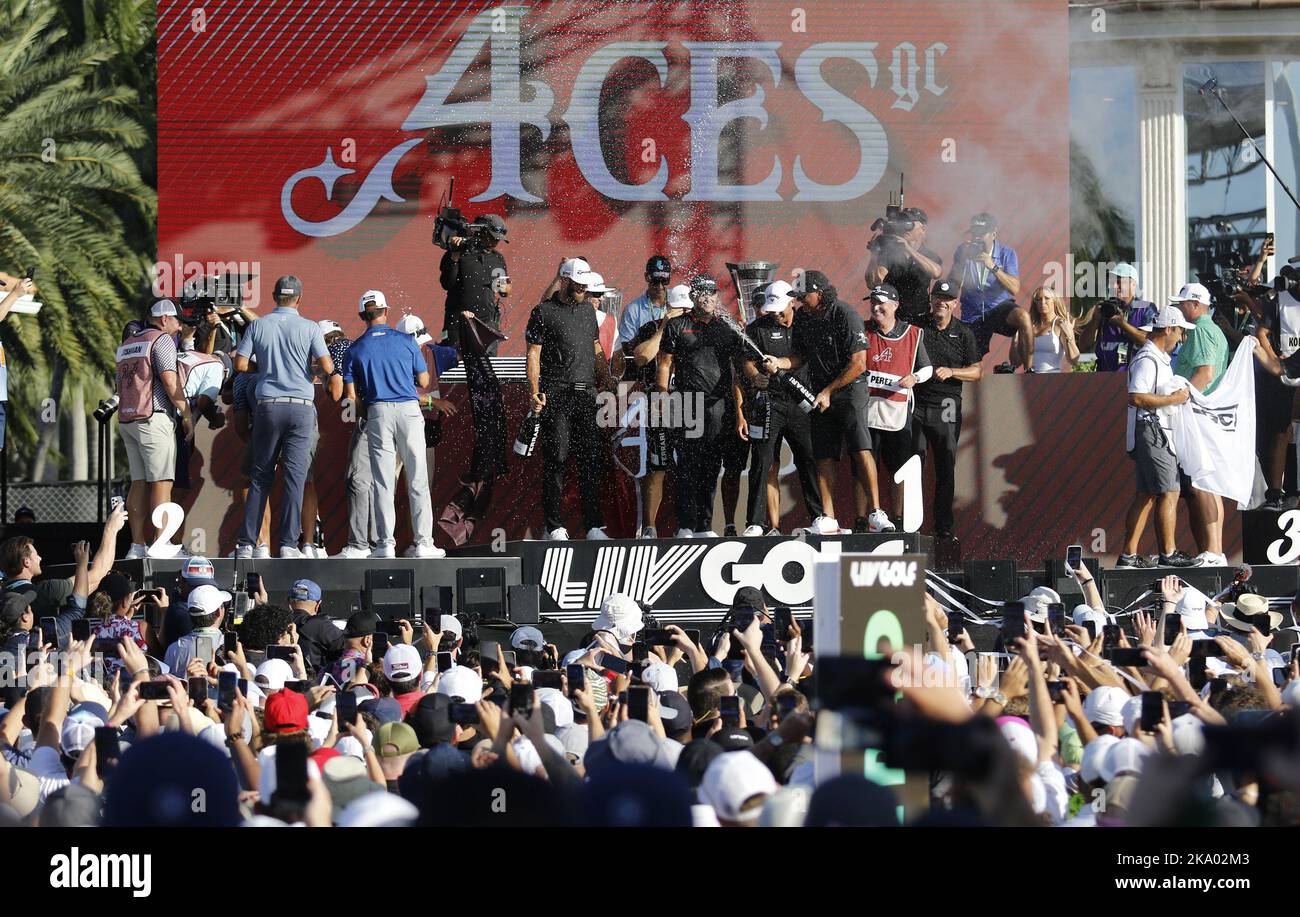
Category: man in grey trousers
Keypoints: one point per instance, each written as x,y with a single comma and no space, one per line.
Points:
383,368
284,346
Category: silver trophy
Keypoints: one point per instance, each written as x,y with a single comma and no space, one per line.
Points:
748,276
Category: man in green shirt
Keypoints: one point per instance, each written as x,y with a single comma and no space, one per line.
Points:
1202,361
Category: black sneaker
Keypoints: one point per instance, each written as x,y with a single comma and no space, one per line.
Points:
729,532
1274,499
1133,561
861,526
1178,559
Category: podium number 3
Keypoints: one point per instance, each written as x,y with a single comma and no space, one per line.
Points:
1289,523
167,518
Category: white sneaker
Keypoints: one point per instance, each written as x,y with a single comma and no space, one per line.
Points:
244,552
648,532
318,551
289,552
262,552
597,534
707,533
424,549
752,531
560,534
684,533
137,552
352,552
1210,559
383,553
878,521
823,525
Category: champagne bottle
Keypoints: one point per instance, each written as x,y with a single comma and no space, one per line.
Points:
529,429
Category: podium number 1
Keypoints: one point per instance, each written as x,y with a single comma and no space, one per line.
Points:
913,509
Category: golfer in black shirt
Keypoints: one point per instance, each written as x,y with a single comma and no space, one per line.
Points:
936,423
773,333
699,349
564,354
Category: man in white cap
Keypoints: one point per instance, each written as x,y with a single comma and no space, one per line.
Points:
1150,441
773,333
384,367
1202,361
564,361
1120,333
151,402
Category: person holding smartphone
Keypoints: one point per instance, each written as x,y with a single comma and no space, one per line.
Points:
122,601
320,640
208,606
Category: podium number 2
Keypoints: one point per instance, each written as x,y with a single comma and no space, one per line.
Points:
167,518
1289,523
913,510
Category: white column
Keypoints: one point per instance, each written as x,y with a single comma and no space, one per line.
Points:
1162,147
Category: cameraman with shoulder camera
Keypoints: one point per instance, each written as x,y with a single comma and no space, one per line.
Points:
466,273
899,257
1122,317
988,275
151,403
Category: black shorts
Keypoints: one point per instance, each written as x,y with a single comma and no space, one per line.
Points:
735,452
994,322
893,447
845,421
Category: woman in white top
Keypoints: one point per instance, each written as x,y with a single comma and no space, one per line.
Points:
1054,347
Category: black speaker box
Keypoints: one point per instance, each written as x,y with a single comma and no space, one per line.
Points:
525,604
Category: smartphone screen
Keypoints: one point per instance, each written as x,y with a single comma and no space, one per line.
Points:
106,646
548,678
380,645
1153,710
510,658
640,652
1074,556
153,690
729,708
107,750
198,690
1109,636
487,649
204,648
1126,656
613,663
232,642
301,685
1178,708
782,621
1056,691
693,636
153,615
521,697
464,714
346,705
1091,627
657,637
1056,619
280,651
577,678
253,585
81,630
49,631
291,772
444,662
226,684
638,703
786,704
956,624
1013,622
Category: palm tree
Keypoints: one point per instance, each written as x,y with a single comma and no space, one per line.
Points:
72,203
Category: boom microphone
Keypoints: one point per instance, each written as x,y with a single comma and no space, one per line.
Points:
1209,85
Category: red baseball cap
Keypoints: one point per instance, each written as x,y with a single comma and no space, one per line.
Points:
321,755
285,711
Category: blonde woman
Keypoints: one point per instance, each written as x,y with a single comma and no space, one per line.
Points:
1054,347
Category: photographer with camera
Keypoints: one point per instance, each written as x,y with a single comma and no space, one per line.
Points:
1277,329
899,257
466,272
1121,319
14,287
151,405
988,276
565,361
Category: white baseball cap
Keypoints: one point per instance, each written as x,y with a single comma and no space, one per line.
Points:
163,307
1192,292
1171,316
679,297
574,266
463,682
206,599
559,705
595,283
731,780
1020,737
412,325
1105,705
272,674
777,297
1124,757
451,623
372,299
660,676
585,278
1093,754
328,325
402,661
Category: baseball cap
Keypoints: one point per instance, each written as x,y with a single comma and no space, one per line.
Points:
1124,757
733,779
71,806
402,661
658,268
915,214
304,590
383,709
574,266
584,278
777,296
679,297
660,676
117,586
412,325
206,599
702,283
675,711
493,224
15,604
1192,292
1020,737
748,597
595,283
1123,269
1170,316
1093,754
944,289
881,292
288,285
346,779
76,735
431,720
162,307
733,738
372,299
392,740
328,326
199,570
983,221
1105,705
451,623
810,282
285,711
361,624
272,674
463,682
559,706
527,638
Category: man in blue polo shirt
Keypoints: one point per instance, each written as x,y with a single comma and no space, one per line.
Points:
284,345
385,367
988,275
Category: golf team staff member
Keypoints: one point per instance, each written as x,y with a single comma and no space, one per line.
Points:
284,345
936,424
384,366
563,355
467,272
